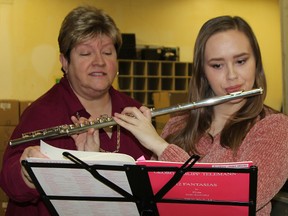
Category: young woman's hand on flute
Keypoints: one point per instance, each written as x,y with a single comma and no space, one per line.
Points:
138,122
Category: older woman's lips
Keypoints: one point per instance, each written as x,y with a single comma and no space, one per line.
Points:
97,74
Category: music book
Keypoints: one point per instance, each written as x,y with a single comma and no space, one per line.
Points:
204,189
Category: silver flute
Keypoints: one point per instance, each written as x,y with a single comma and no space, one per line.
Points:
106,121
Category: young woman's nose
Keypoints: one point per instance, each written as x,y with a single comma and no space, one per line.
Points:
231,72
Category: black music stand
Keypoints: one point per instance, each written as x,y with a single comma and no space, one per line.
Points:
141,199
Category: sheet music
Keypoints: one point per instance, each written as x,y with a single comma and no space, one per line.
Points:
209,185
55,153
79,182
99,208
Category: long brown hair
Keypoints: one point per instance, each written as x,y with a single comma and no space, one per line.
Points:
199,120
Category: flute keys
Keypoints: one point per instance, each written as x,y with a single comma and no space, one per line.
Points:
63,129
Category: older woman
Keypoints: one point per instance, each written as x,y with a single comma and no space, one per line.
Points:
88,41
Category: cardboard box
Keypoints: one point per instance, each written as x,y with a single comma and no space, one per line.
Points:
3,198
1,159
23,106
4,204
164,100
2,211
5,134
9,112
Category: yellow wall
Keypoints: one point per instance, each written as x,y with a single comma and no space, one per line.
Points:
29,29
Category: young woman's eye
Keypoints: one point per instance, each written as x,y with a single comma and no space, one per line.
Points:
241,61
216,66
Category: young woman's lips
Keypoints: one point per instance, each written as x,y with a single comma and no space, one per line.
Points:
233,89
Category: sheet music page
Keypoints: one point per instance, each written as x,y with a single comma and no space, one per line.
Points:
79,182
56,154
86,208
57,181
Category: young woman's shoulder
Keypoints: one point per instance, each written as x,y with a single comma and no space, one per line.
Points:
272,115
175,123
274,122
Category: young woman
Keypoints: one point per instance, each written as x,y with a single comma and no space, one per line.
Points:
227,59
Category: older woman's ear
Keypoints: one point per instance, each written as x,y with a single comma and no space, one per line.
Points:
64,63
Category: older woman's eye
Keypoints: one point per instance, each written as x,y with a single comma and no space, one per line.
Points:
107,52
85,54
